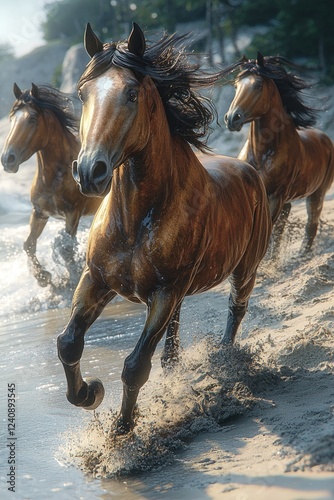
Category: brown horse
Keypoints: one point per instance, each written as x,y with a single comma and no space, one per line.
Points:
42,122
171,226
293,160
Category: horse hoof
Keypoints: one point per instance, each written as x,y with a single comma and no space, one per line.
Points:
169,363
95,394
123,427
226,342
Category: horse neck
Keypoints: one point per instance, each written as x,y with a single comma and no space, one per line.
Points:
59,151
268,133
153,177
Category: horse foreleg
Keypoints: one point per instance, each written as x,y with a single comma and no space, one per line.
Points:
170,354
137,365
37,224
88,302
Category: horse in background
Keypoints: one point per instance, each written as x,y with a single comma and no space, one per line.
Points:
294,160
43,122
171,225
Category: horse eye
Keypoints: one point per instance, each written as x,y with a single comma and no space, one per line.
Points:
80,95
132,96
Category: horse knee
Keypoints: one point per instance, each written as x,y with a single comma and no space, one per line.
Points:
136,371
69,349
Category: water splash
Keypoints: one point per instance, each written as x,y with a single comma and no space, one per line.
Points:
209,387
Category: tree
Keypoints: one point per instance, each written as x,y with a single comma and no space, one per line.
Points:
112,19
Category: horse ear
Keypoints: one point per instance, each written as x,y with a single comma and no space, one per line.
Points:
34,91
260,59
92,43
17,91
244,59
136,41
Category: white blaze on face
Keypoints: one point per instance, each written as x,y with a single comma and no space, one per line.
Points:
16,118
98,93
103,85
244,82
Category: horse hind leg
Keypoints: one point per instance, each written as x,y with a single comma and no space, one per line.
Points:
65,243
37,224
314,205
278,230
237,306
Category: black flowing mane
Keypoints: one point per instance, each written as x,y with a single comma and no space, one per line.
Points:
289,86
51,99
177,80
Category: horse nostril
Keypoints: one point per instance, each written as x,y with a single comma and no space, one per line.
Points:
237,117
99,171
11,158
75,170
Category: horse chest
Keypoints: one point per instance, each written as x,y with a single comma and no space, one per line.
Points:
129,267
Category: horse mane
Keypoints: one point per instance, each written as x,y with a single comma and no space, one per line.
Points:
51,99
177,80
289,85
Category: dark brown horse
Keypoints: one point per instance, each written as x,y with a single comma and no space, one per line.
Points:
43,122
294,161
171,226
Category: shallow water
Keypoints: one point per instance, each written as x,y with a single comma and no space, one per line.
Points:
57,448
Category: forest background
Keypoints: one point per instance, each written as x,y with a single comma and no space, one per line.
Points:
301,30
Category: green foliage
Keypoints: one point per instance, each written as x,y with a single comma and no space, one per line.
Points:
112,19
296,28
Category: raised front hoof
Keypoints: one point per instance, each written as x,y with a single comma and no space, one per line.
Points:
43,278
95,394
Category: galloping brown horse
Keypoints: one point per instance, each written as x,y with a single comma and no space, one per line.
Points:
42,122
293,160
170,226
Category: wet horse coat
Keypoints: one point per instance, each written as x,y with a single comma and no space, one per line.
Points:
43,122
171,226
294,160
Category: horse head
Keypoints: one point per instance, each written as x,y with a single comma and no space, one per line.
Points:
26,135
252,96
114,119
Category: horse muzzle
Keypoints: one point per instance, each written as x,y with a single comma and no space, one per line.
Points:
93,179
10,162
234,121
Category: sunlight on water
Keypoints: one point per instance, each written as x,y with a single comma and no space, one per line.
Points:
21,296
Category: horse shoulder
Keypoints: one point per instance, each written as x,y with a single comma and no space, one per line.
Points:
229,171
